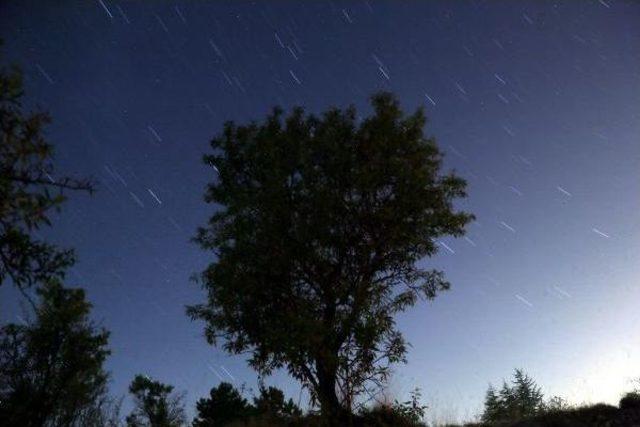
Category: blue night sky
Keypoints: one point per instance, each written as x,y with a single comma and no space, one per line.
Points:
536,104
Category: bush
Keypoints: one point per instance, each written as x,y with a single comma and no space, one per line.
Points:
599,414
630,400
386,416
401,414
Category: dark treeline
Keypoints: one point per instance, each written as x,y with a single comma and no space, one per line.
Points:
318,225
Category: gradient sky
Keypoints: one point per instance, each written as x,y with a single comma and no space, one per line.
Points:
537,104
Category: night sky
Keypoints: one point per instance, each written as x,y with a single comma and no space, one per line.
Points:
536,104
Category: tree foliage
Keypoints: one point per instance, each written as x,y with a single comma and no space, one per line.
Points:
522,399
225,405
271,405
399,414
493,406
320,226
29,191
51,370
557,404
630,400
104,412
155,404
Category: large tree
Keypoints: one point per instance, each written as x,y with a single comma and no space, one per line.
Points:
29,190
320,228
51,369
155,404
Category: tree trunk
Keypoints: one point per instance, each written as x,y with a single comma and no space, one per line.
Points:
332,411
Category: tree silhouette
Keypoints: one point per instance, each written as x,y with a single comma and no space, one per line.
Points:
271,405
320,226
51,370
29,191
528,399
522,399
105,412
224,405
492,406
630,400
155,404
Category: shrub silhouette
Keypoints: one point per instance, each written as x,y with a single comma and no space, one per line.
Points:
270,404
630,400
225,406
52,368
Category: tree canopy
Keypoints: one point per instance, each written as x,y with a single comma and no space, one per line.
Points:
155,404
320,225
51,369
225,405
29,191
522,399
271,404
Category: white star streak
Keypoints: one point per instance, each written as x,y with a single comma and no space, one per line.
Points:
523,300
154,196
595,230
430,99
563,191
444,245
105,9
507,226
